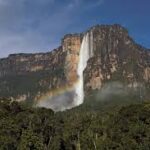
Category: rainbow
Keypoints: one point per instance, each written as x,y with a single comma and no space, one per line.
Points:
55,92
69,96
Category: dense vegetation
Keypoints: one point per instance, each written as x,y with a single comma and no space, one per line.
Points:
122,128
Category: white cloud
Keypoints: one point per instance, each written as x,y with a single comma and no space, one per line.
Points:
29,26
85,4
21,31
96,3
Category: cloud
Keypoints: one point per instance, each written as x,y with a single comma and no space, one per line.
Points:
30,26
96,4
37,25
85,4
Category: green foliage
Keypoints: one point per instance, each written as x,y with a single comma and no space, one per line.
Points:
29,140
25,128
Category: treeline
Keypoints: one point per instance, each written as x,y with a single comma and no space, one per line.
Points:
25,128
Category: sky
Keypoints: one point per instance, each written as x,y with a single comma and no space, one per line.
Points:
29,26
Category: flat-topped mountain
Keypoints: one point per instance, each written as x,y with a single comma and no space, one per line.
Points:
85,61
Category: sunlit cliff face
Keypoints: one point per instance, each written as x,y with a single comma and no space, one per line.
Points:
71,95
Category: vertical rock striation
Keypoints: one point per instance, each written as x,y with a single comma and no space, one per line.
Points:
116,58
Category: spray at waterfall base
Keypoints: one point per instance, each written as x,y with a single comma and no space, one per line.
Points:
68,97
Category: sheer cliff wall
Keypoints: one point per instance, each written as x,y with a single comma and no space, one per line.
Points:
116,57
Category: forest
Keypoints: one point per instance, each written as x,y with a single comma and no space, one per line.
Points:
124,127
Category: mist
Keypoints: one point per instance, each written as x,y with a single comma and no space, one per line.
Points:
118,89
59,102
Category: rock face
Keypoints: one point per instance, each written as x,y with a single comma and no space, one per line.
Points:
116,57
71,45
29,76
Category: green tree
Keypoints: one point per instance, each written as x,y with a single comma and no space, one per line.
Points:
30,141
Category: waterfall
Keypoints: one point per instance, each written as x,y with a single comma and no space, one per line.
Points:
86,52
74,96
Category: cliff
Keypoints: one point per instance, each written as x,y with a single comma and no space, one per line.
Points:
28,76
116,57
